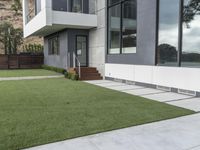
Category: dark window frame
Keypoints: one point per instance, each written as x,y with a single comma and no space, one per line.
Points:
51,50
121,25
87,48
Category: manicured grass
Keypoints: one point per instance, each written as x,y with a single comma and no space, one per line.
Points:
37,112
26,72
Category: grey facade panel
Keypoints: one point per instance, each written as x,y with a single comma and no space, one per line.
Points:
146,37
60,60
67,44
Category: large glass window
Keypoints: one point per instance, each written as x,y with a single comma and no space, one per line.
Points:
38,6
129,27
168,33
53,46
114,29
59,5
179,27
77,6
111,2
191,34
122,26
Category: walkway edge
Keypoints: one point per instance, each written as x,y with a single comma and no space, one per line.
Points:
30,78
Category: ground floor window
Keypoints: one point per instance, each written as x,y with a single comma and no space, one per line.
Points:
53,45
191,34
178,35
122,26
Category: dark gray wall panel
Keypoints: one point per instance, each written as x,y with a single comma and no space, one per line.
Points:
146,37
59,61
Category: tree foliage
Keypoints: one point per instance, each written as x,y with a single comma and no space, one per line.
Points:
191,9
10,37
16,6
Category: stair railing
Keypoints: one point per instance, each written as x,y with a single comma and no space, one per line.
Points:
75,59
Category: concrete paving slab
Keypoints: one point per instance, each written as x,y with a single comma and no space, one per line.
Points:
192,104
167,97
125,87
195,148
112,84
82,143
176,134
145,91
98,81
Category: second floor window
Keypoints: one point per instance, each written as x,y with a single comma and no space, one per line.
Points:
59,5
77,6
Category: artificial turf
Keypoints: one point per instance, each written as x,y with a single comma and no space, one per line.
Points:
37,112
26,72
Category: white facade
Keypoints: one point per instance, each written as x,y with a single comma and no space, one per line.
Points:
97,36
173,77
138,67
48,21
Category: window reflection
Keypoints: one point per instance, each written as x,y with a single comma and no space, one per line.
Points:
77,6
59,5
191,32
110,2
114,30
129,27
168,32
122,27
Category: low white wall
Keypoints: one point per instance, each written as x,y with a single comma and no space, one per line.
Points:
175,77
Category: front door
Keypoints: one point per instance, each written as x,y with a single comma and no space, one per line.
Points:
82,50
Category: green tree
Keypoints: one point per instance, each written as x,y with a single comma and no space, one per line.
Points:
10,37
16,6
191,9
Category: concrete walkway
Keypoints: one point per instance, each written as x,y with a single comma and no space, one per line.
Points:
175,134
180,100
30,78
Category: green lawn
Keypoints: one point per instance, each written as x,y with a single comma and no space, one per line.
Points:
26,72
37,112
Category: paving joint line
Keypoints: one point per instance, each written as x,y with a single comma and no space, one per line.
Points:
132,89
113,86
99,83
153,93
181,99
191,148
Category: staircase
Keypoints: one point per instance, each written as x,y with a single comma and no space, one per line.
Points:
87,73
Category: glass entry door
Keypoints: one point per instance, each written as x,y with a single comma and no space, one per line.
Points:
82,49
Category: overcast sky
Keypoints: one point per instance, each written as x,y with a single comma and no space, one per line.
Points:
169,14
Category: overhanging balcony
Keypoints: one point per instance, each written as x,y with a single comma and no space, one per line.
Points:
46,20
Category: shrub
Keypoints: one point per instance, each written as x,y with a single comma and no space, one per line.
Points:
74,77
71,76
59,70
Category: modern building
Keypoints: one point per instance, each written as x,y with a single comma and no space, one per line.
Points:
150,42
